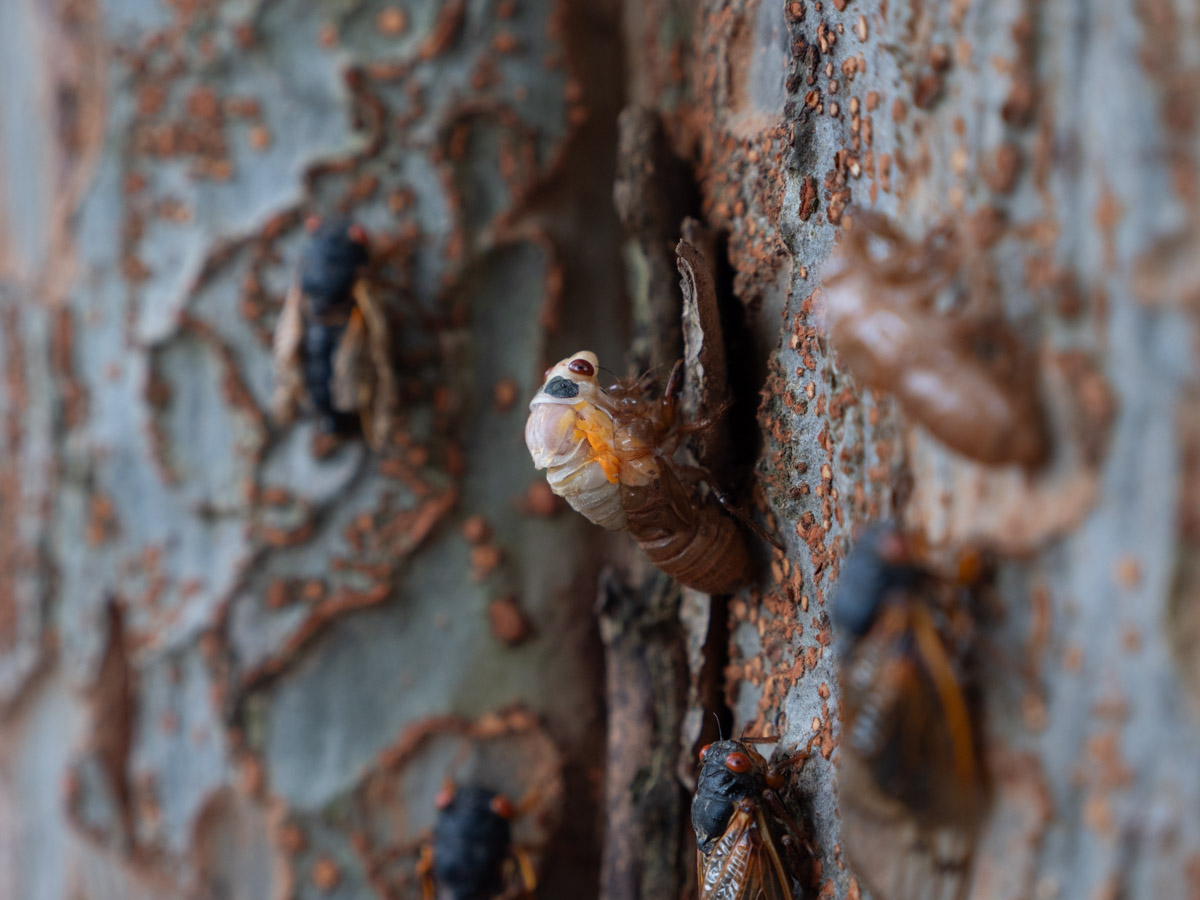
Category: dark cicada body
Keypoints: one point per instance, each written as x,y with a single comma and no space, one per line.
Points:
473,857
747,843
911,777
333,342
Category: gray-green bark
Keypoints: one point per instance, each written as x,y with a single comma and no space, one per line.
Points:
233,667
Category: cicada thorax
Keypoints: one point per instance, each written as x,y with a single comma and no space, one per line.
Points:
912,787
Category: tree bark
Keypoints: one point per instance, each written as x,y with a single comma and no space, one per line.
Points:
239,660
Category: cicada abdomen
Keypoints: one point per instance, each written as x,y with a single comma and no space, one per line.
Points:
911,782
748,846
609,454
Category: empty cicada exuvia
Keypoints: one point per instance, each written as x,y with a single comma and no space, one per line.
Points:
609,454
969,380
911,782
333,340
748,845
472,855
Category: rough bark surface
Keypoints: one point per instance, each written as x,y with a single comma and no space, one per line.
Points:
237,662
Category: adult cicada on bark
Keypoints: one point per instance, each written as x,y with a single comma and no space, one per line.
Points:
472,855
748,845
911,778
609,453
333,341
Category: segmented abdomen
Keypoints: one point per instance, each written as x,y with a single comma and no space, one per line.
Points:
573,469
693,542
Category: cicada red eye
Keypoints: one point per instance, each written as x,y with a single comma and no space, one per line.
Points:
502,807
358,234
737,762
582,367
704,751
444,797
312,223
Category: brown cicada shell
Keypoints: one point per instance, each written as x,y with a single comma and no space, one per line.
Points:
609,454
911,775
971,383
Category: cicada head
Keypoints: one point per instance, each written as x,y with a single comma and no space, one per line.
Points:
330,262
472,841
730,771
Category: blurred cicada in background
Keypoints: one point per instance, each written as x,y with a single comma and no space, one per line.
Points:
609,453
472,855
911,785
748,845
333,340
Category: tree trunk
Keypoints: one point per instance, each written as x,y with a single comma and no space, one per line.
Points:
240,659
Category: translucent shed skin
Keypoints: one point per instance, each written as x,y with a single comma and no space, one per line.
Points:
970,384
608,454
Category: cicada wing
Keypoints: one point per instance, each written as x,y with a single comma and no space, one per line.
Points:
909,789
383,402
352,384
890,852
286,353
744,864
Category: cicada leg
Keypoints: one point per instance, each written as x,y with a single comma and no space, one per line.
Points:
771,798
525,870
425,873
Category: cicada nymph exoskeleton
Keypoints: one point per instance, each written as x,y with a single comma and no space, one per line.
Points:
609,453
967,378
911,785
333,341
748,845
472,855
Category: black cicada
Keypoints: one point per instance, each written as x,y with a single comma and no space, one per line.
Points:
911,785
333,340
749,846
472,856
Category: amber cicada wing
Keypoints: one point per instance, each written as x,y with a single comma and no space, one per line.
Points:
744,864
363,381
909,776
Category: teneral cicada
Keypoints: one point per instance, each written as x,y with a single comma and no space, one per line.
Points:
472,855
333,340
911,785
748,845
609,454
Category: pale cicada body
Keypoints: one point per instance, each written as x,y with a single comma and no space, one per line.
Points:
570,435
609,454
